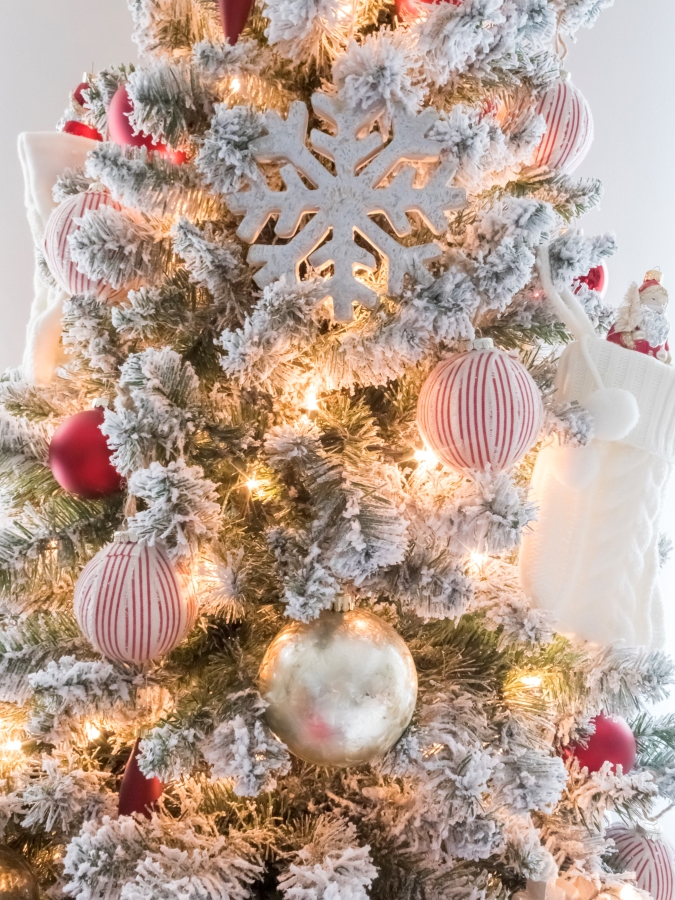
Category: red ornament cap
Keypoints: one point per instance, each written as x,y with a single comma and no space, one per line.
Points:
79,457
138,794
612,741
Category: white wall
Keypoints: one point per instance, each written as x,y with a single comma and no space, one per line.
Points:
46,46
625,66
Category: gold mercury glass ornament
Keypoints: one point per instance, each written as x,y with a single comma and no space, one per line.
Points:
17,881
341,689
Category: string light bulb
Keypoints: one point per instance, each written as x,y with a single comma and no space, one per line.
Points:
252,484
235,85
92,732
425,458
311,402
532,681
478,560
628,892
10,748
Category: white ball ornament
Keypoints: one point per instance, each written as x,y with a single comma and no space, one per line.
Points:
341,689
62,224
569,128
131,604
653,861
480,410
615,413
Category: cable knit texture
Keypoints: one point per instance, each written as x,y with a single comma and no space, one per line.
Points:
592,557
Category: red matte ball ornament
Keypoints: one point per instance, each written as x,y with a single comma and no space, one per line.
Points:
596,280
82,130
234,15
410,9
119,126
121,131
613,742
79,457
138,794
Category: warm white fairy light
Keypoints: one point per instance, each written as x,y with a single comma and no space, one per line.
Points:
533,681
425,458
10,748
478,560
628,892
92,732
311,403
253,484
235,85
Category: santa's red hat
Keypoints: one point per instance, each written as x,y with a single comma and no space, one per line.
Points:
652,279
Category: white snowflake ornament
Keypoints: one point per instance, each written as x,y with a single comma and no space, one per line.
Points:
344,198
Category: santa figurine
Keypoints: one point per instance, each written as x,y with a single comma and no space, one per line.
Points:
642,323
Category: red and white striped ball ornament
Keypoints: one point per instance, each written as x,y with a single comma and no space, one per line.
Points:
480,410
653,861
64,222
131,604
569,128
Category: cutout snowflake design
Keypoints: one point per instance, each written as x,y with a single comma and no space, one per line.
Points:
342,201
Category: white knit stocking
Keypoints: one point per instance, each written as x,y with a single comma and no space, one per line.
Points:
592,556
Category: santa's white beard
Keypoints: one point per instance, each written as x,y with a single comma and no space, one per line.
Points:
655,326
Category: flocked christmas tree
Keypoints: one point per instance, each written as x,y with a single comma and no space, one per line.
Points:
265,473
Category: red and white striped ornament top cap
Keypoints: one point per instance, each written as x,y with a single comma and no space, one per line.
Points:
569,131
480,410
653,861
131,604
64,222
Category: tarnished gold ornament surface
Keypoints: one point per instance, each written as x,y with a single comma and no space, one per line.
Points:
17,881
341,689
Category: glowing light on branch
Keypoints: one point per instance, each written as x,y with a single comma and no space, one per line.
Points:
92,731
311,402
478,560
426,458
628,892
533,681
10,748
